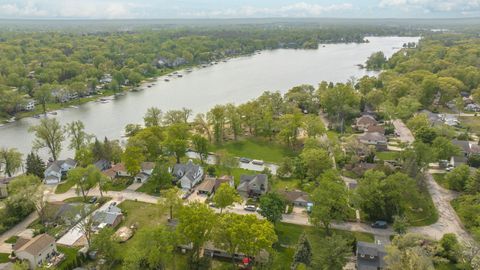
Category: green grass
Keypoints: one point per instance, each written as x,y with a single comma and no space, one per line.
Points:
388,155
142,214
255,149
471,122
424,213
64,187
4,257
12,240
118,184
440,179
150,188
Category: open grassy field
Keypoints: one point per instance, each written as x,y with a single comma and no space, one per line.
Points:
255,149
142,214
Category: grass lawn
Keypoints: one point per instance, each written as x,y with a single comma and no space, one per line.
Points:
64,187
118,184
142,214
12,240
255,149
4,257
471,122
440,179
388,155
150,188
424,213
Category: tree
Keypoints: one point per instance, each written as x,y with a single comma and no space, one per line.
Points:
200,145
261,236
405,253
272,207
333,254
313,125
450,247
303,252
153,117
330,201
49,134
11,160
171,201
340,103
202,126
426,135
376,61
35,165
153,248
133,158
289,125
226,160
106,244
444,148
44,95
473,183
195,225
78,137
286,168
226,195
458,177
177,140
161,176
232,118
85,224
84,179
216,118
315,162
400,224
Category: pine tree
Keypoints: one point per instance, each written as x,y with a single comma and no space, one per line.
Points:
35,165
303,254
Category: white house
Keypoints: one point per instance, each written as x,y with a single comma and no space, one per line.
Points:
30,105
145,172
53,174
188,174
37,251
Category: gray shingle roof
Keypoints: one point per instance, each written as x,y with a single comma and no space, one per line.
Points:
189,170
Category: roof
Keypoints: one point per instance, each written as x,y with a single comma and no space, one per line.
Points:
37,244
248,182
295,195
188,170
464,145
147,166
105,217
112,172
70,162
224,179
370,249
102,164
54,167
207,185
366,120
375,128
373,137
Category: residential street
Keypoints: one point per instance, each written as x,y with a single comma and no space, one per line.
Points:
404,134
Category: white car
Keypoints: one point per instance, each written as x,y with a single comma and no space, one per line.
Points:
251,208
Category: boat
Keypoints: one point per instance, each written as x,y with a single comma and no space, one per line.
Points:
179,75
53,113
11,120
73,107
167,80
104,101
149,86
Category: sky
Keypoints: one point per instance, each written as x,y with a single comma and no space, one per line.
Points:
163,9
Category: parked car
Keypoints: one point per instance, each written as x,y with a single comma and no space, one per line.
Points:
251,208
245,160
93,199
113,204
212,204
380,224
258,162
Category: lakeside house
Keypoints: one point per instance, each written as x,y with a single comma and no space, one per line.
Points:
117,170
253,185
211,184
37,251
370,256
365,121
58,169
188,174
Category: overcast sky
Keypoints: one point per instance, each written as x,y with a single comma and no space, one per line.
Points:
157,9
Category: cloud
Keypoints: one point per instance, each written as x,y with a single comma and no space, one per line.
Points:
434,5
300,9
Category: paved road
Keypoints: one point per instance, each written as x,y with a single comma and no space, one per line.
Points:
404,134
16,230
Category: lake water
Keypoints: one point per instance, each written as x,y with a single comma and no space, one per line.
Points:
238,80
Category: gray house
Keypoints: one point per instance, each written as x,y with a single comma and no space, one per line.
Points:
253,185
53,174
188,174
375,139
370,256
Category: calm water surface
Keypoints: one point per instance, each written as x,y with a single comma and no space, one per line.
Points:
237,81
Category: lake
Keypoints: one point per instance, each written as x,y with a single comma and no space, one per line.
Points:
237,80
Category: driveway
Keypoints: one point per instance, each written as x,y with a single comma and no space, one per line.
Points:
404,134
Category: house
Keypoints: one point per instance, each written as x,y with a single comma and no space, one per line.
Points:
29,105
188,174
365,121
375,139
370,256
296,197
467,149
69,213
37,251
472,107
3,190
57,169
211,184
379,129
111,217
145,172
433,118
117,170
103,164
450,120
106,78
253,185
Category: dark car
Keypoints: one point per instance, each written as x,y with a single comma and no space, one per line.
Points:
245,160
93,199
380,224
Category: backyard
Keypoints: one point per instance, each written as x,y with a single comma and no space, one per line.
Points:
64,187
471,122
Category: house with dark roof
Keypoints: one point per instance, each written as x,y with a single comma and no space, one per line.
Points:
467,149
37,251
365,121
145,172
296,197
110,217
188,174
55,170
253,185
117,170
370,256
375,139
103,164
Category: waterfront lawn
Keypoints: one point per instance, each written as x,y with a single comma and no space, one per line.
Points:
64,187
440,179
118,184
4,257
255,149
